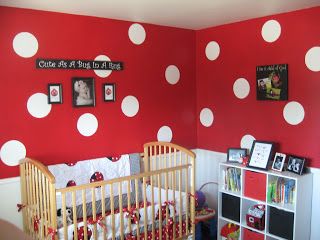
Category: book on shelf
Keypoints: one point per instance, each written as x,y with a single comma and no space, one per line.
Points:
232,179
281,191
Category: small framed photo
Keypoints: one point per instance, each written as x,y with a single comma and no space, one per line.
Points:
54,93
260,155
83,92
278,161
236,154
109,94
295,164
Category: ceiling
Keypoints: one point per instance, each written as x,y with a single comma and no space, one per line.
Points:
190,14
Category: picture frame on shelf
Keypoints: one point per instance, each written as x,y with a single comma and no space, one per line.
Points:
83,92
278,161
295,164
54,93
109,92
260,155
236,154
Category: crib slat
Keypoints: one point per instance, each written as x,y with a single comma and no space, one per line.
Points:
84,213
137,206
174,198
180,200
44,199
129,202
187,201
121,211
112,212
40,198
103,209
152,208
94,216
145,209
74,213
64,216
160,203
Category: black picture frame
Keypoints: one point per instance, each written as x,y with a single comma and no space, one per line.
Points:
83,92
54,93
272,82
278,161
295,164
109,92
236,154
260,154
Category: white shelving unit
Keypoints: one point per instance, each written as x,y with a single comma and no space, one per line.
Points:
295,215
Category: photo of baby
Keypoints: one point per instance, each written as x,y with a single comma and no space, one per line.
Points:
83,92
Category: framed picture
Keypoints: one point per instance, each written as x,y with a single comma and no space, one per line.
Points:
54,93
260,154
295,164
272,82
236,154
278,161
83,92
109,94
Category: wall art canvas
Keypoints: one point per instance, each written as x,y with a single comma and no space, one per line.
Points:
272,82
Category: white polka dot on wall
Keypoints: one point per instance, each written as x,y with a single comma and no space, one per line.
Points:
206,117
137,34
164,134
271,31
12,152
212,50
87,124
172,74
25,44
130,106
102,73
38,105
247,141
312,59
241,88
293,113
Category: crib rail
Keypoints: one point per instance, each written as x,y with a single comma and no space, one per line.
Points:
38,198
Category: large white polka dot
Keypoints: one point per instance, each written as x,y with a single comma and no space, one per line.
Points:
102,73
312,59
241,88
25,44
87,124
293,113
212,50
206,117
38,105
271,30
172,74
137,34
247,141
164,134
130,106
12,152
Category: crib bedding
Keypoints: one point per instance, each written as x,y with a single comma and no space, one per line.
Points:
106,224
173,203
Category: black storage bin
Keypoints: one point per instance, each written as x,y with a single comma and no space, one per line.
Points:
230,207
281,223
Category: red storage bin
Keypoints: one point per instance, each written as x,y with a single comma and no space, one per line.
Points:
255,185
251,235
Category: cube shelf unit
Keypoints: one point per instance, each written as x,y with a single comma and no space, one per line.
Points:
289,220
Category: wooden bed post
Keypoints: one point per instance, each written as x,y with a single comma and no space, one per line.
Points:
23,187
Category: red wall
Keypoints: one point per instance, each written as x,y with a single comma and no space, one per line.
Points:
242,48
55,138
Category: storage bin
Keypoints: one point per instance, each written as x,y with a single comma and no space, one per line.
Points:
230,207
255,185
281,223
251,235
255,216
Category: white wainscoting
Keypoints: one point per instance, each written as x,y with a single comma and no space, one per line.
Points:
10,197
207,165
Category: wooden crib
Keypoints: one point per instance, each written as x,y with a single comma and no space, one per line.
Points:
167,209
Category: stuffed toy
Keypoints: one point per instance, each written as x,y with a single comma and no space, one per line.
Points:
60,218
